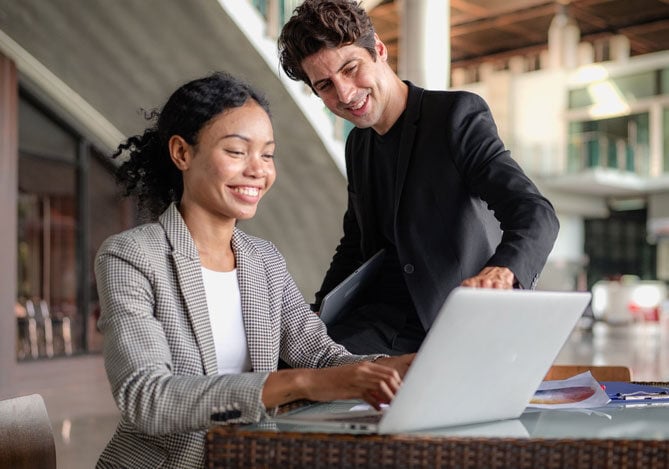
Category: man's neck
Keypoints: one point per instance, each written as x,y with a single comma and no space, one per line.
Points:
396,105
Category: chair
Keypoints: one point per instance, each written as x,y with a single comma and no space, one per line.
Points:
600,373
32,329
48,327
26,436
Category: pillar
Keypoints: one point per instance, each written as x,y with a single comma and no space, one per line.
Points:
8,226
424,44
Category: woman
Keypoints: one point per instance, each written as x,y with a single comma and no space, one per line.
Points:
195,313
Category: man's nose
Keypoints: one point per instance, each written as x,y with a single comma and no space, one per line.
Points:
345,91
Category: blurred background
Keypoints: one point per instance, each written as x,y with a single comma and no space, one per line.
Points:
579,90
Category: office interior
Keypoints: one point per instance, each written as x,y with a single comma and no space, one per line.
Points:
579,90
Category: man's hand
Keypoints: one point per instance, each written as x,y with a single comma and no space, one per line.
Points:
491,277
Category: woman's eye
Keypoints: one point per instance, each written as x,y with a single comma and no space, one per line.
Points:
268,156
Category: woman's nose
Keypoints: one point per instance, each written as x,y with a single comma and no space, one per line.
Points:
256,167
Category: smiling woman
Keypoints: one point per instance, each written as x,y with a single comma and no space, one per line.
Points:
224,175
195,313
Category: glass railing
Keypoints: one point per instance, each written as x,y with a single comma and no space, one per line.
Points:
261,6
589,150
276,13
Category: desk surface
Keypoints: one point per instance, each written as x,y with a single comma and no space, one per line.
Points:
610,437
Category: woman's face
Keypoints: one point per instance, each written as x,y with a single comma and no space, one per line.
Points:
232,165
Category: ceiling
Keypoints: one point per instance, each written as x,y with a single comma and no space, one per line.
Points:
484,28
126,56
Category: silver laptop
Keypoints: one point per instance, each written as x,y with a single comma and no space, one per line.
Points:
481,361
335,302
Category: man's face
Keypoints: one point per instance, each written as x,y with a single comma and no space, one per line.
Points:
352,84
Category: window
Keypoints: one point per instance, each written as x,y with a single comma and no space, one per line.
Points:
618,246
621,143
665,140
67,204
626,89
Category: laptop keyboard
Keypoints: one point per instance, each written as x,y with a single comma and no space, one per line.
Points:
334,407
354,418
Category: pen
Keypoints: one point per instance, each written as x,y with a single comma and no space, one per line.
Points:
642,395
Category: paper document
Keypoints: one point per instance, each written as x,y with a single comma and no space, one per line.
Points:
636,394
578,392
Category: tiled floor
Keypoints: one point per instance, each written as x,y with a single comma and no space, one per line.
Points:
79,441
642,347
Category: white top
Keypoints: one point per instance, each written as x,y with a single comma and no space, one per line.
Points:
227,324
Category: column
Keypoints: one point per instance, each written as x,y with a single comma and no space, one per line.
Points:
424,43
563,38
8,197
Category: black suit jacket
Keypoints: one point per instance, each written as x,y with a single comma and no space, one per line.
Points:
453,175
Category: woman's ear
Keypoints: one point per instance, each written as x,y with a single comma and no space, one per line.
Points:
179,152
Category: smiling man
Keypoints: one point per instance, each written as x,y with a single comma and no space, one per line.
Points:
429,180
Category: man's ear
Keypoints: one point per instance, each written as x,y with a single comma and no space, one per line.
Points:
179,152
381,49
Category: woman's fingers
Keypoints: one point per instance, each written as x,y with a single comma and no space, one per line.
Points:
374,383
401,362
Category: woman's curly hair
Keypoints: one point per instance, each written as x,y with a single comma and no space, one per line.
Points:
318,24
149,173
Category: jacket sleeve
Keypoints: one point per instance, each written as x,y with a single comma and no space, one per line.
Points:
527,219
304,342
139,362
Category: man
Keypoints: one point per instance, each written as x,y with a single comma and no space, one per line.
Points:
426,169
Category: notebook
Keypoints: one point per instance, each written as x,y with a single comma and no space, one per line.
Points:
482,360
336,301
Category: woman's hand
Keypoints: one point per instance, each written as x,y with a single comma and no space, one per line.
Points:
401,363
373,382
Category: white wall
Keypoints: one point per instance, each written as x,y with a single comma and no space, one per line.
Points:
570,241
537,121
529,110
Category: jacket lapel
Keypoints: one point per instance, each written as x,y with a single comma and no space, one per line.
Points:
411,117
255,292
189,273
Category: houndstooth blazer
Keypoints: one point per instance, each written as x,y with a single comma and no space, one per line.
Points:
159,349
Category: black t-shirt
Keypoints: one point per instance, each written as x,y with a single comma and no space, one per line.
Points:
390,287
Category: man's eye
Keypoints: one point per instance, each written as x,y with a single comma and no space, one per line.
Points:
323,86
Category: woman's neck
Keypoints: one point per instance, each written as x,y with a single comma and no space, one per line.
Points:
212,237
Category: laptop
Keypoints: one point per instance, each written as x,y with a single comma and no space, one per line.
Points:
336,301
484,357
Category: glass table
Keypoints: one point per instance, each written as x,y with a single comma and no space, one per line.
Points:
609,437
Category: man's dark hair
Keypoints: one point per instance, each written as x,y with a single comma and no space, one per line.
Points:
318,24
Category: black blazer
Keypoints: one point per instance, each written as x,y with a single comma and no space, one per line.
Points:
453,175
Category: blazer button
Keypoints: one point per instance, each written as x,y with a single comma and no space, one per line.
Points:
408,268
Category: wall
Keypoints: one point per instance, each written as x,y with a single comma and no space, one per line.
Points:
8,191
531,123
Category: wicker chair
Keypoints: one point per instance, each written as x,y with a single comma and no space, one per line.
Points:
26,436
600,373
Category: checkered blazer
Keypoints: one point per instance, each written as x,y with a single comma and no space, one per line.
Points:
159,349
